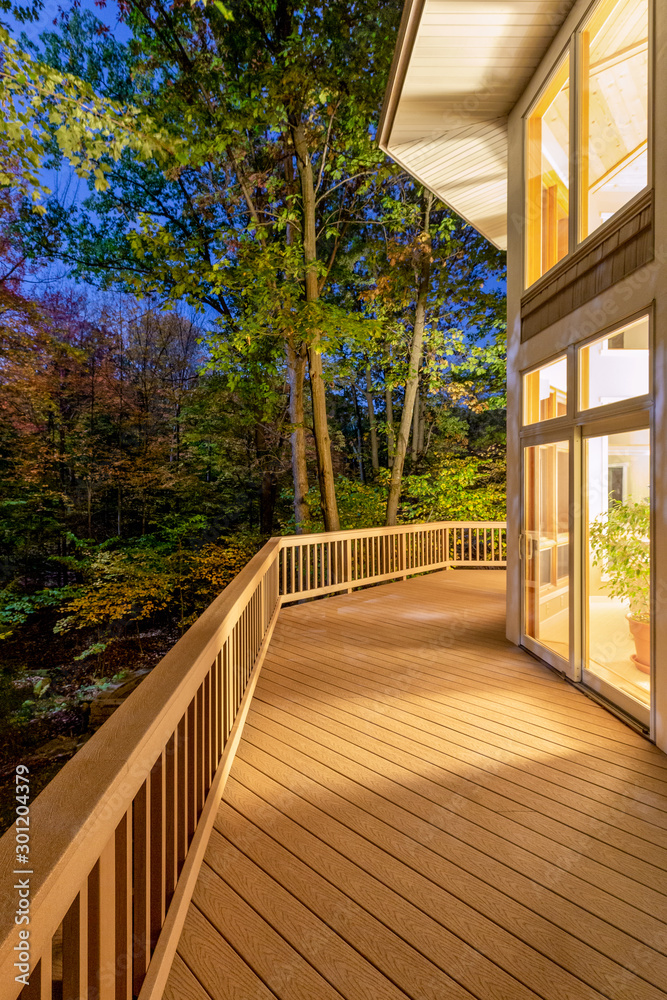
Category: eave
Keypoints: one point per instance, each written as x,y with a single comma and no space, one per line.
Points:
459,68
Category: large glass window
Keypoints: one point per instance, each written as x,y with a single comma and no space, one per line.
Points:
545,392
618,580
614,109
546,532
615,367
548,155
608,136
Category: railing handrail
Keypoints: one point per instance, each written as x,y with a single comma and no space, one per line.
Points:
66,844
83,805
397,529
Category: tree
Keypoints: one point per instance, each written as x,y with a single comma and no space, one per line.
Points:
422,268
274,108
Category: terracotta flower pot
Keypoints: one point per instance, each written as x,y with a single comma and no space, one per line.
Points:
641,633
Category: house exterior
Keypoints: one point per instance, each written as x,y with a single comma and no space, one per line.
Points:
539,122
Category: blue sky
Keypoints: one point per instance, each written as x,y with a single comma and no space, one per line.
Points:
50,11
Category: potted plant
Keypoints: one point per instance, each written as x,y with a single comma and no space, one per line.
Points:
619,540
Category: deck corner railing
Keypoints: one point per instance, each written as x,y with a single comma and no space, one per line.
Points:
117,837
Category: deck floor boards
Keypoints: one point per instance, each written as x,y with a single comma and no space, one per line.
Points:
420,809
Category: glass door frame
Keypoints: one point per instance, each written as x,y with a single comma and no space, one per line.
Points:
640,418
533,436
635,413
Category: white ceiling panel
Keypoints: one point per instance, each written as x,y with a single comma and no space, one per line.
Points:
459,68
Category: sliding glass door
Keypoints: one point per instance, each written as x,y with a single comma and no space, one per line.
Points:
586,540
546,551
617,582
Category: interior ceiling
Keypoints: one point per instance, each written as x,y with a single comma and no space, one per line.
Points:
459,68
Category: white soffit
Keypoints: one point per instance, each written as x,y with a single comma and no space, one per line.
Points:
459,68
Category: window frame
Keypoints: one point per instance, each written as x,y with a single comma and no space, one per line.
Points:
632,403
574,49
549,422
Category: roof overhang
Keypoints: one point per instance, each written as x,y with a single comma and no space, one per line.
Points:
459,68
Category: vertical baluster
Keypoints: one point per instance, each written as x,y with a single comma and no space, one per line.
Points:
235,675
244,637
75,948
199,774
123,906
292,569
216,708
170,820
225,692
40,985
157,852
249,640
141,885
215,698
220,709
101,926
207,732
181,804
191,780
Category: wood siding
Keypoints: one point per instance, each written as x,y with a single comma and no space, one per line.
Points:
419,809
605,259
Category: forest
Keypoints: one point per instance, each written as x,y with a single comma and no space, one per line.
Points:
225,314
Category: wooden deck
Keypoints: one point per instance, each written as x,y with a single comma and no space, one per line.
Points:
418,808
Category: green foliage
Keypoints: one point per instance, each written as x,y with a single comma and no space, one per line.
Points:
145,441
16,607
459,488
170,571
620,544
38,105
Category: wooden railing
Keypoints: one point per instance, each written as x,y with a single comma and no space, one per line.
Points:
117,837
316,565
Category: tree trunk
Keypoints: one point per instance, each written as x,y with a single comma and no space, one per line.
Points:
268,490
415,426
389,404
372,422
357,413
296,368
411,384
320,422
422,421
